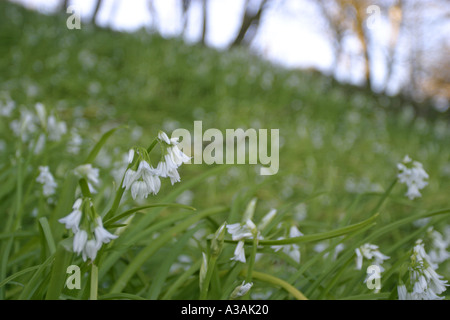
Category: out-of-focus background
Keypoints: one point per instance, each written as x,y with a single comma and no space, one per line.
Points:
391,46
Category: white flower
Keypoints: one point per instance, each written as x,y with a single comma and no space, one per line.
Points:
163,137
75,142
143,181
55,128
46,178
293,250
73,219
90,250
403,294
425,282
413,175
88,172
369,251
177,155
239,252
438,253
40,144
130,177
150,177
41,113
240,231
267,219
101,234
79,241
241,290
7,109
139,190
130,156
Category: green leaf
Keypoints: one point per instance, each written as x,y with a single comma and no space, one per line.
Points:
134,210
94,152
164,269
58,273
44,225
156,244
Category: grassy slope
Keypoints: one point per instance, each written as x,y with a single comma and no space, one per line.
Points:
333,137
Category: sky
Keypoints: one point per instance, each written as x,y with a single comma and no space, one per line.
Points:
292,35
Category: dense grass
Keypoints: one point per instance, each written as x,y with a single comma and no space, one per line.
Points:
340,147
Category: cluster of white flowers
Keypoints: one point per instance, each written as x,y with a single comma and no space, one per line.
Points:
413,175
143,179
27,126
370,252
248,230
173,158
438,253
7,107
321,246
425,282
293,250
239,232
86,242
46,179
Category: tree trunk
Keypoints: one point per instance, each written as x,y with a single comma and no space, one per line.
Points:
96,11
205,22
247,22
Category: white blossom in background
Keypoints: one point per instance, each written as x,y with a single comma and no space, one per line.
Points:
55,129
90,173
6,108
47,180
239,232
293,250
370,252
323,246
438,252
26,126
40,144
424,282
173,158
41,114
75,142
413,175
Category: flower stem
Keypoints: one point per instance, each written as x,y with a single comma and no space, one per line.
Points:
94,282
209,272
277,282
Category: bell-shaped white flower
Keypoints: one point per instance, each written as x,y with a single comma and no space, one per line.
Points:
46,178
79,241
413,175
90,250
239,252
72,220
101,234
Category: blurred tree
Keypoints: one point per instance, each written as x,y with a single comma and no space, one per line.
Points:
98,5
253,10
185,6
205,21
153,14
